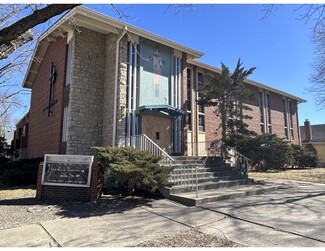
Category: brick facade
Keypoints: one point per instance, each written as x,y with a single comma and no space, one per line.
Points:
20,140
45,132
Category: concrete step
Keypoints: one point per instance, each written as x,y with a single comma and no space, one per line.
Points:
198,160
207,171
178,189
206,196
194,158
206,177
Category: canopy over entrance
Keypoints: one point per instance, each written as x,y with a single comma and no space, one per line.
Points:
163,110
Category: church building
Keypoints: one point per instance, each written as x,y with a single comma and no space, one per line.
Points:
98,82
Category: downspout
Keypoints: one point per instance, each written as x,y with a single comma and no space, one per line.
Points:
116,84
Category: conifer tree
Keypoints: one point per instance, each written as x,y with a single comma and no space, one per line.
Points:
227,92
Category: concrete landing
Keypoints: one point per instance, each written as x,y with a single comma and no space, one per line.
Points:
200,197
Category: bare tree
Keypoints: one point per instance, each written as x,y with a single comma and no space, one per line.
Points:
16,46
18,33
314,13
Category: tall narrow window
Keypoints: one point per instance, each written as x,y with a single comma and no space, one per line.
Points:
268,110
188,100
131,90
69,58
65,124
261,106
291,120
285,118
201,110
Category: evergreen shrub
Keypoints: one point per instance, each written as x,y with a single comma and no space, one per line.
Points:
20,172
130,168
303,158
268,151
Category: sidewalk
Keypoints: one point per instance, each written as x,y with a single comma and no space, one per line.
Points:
289,217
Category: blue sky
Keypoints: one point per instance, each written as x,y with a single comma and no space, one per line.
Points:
279,47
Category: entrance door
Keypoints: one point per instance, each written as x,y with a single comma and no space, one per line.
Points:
158,129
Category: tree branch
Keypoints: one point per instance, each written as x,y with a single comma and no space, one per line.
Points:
13,31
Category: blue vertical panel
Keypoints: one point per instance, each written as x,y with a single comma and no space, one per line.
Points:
155,73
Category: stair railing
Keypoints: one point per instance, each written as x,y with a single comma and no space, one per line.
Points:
236,159
217,148
144,143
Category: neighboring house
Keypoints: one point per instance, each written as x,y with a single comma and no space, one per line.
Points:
96,83
313,138
19,142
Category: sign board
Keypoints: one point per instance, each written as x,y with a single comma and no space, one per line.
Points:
67,170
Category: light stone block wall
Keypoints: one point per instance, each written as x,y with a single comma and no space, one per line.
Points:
85,119
121,96
109,86
108,101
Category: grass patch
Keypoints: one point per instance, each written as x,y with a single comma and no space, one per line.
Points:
315,175
17,192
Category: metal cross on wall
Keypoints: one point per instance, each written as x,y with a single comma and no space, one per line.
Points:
51,82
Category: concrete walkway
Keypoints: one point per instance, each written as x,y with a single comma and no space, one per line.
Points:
292,216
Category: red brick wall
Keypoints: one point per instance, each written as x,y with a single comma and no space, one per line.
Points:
277,117
44,131
212,123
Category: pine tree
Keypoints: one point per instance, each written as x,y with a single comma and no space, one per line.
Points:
227,93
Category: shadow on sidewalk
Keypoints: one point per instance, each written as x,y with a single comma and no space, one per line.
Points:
107,204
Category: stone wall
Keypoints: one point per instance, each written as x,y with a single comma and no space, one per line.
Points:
121,98
85,120
109,86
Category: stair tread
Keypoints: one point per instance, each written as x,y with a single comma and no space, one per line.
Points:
221,181
223,191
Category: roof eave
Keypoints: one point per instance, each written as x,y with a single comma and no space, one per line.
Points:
248,81
41,47
41,44
135,30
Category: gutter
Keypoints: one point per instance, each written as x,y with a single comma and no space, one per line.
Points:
116,83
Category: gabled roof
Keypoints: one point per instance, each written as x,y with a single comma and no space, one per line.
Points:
317,132
248,81
84,17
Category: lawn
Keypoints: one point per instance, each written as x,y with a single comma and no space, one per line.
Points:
17,192
316,175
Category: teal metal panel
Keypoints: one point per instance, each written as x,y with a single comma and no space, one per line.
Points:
155,73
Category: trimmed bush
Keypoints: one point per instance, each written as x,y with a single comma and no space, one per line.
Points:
131,168
268,151
303,158
20,172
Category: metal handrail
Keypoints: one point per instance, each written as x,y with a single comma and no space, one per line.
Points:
241,161
217,148
144,143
